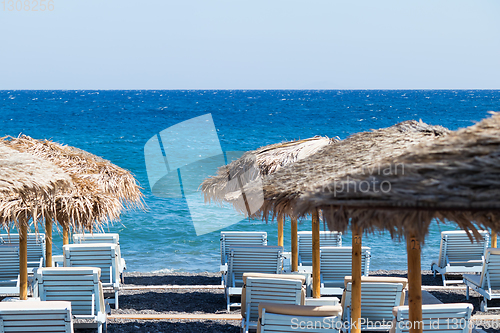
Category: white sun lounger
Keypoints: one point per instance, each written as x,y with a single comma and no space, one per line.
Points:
488,282
250,259
112,238
379,295
304,242
436,318
36,247
35,316
238,238
9,270
286,318
78,285
457,254
336,264
282,289
101,255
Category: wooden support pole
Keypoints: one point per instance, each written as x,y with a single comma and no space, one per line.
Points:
315,255
23,262
414,284
66,235
280,231
357,235
493,239
48,242
295,245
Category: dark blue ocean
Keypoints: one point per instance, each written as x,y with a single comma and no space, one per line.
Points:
117,124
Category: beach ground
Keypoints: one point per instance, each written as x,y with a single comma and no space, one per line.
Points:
186,300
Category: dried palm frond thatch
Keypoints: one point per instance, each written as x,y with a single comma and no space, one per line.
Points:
259,163
358,153
455,177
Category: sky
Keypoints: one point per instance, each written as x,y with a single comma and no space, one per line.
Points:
239,44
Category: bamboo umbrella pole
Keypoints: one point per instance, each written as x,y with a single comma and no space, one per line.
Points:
48,242
280,231
315,253
66,235
23,262
295,247
414,283
493,238
356,278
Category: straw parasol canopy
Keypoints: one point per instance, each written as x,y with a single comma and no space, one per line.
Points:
455,178
357,153
101,189
256,164
27,186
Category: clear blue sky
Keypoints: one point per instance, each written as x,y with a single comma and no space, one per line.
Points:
235,44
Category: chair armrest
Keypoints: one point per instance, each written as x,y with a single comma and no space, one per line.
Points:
58,261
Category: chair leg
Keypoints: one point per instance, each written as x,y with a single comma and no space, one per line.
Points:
228,303
116,300
99,327
467,292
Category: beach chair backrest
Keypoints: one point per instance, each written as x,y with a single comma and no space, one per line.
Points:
491,270
36,316
326,239
377,300
282,291
9,265
239,238
101,255
78,285
456,246
336,264
436,318
253,259
36,246
99,238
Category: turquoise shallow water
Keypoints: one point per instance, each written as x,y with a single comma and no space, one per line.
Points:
117,124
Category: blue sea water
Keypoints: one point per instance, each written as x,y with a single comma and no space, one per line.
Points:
117,124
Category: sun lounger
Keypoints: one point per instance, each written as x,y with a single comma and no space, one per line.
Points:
36,247
101,255
457,254
238,238
436,318
9,270
78,285
35,316
336,264
304,242
250,259
488,282
277,288
112,238
379,295
277,318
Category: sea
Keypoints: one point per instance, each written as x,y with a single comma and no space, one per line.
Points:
116,125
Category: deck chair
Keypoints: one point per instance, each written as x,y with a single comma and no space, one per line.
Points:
457,254
488,282
237,238
449,318
78,285
379,295
336,264
304,242
9,270
101,255
36,247
104,238
299,318
277,288
35,316
246,259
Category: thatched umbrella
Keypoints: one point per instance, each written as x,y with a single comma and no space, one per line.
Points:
256,165
452,178
357,153
27,188
101,192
